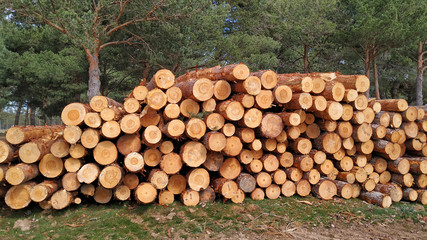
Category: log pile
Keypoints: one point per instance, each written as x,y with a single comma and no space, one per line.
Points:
222,132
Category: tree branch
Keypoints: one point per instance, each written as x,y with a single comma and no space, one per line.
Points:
122,10
45,20
115,43
422,54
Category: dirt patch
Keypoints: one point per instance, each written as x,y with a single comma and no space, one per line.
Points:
23,224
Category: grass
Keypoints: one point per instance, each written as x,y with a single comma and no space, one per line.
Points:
130,221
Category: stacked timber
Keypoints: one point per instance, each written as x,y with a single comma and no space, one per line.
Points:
222,132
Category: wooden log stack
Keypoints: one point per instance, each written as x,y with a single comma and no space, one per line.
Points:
222,132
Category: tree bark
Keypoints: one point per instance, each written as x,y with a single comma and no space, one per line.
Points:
306,63
420,72
374,63
367,62
18,113
94,85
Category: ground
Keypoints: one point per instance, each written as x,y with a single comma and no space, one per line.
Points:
290,218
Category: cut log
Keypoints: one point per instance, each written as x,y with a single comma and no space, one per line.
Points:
233,146
347,112
350,95
400,165
158,178
140,93
88,173
230,168
72,134
99,103
376,198
369,115
209,105
258,194
318,85
193,154
296,83
130,123
390,189
200,89
282,94
385,177
214,121
122,193
271,125
59,148
246,182
334,91
111,176
395,105
333,111
225,187
264,99
269,145
263,179
73,114
174,128
207,195
411,129
346,177
273,191
410,194
152,157
368,185
7,152
421,181
213,161
252,118
380,164
326,167
231,110
246,135
325,189
131,180
358,82
300,101
270,162
51,166
328,142
152,135
422,196
18,197
418,165
171,163
198,179
344,189
163,79
134,162
406,180
70,182
156,99
251,85
18,135
221,90
111,129
90,138
288,189
190,197
360,174
33,151
268,78
177,184
44,190
131,105
102,195
105,153
87,190
246,100
73,164
195,128
145,193
361,102
62,199
348,144
233,72
78,151
92,119
21,173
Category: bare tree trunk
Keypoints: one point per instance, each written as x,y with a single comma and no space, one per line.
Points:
367,62
306,64
94,82
377,85
145,70
26,115
420,72
18,113
32,116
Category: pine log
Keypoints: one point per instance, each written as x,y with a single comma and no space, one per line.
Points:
140,93
325,189
376,106
207,195
131,180
410,194
152,157
268,78
221,90
251,85
300,101
209,105
42,191
406,180
190,197
171,163
350,95
418,165
193,153
131,105
200,89
247,101
380,164
70,182
231,110
60,148
376,198
230,168
288,188
213,161
102,195
214,121
51,166
421,181
122,193
411,129
17,135
328,142
21,173
177,184
225,187
158,178
145,193
258,194
263,179
111,176
347,112
7,152
422,196
73,164
156,99
88,173
296,83
163,79
198,179
18,197
346,177
195,128
78,151
273,191
73,114
396,105
233,72
344,189
390,189
33,151
92,119
282,94
400,165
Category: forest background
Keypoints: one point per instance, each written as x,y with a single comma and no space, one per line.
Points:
53,52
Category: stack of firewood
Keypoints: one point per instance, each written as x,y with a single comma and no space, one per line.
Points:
227,132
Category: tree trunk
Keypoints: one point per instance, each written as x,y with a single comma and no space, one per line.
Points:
420,71
26,115
32,116
377,85
94,81
18,113
367,62
306,64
